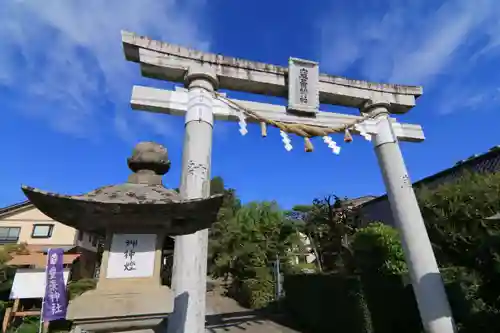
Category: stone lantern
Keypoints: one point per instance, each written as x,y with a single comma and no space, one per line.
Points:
135,218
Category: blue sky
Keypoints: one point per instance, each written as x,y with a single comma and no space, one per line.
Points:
65,87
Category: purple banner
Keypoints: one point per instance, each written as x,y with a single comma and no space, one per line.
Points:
55,301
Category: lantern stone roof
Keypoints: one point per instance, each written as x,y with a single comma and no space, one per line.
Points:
142,202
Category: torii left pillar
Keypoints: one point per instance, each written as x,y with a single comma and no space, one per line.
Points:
189,278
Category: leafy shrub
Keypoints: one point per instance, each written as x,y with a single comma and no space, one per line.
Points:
377,248
30,324
254,292
27,328
304,268
258,293
76,288
470,312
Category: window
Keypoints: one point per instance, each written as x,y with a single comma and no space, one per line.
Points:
42,231
9,234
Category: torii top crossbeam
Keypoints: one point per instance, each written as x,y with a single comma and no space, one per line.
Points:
170,62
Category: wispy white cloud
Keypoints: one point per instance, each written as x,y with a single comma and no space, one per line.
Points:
62,61
425,42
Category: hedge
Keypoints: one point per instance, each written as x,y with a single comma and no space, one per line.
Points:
381,303
327,303
391,304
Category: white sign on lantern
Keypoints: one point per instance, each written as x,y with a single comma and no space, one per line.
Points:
303,86
131,256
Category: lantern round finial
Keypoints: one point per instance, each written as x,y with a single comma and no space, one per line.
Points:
149,157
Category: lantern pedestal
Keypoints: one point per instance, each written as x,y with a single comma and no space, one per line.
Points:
129,296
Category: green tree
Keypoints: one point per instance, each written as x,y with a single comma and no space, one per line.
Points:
303,216
330,223
245,246
455,215
230,207
217,185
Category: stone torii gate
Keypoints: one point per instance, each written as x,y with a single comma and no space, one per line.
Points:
202,74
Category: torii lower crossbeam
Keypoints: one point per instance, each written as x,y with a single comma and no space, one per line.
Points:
176,103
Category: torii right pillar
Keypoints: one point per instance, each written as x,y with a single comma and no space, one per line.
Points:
427,283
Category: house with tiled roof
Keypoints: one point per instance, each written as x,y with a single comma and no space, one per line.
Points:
25,225
22,223
378,209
